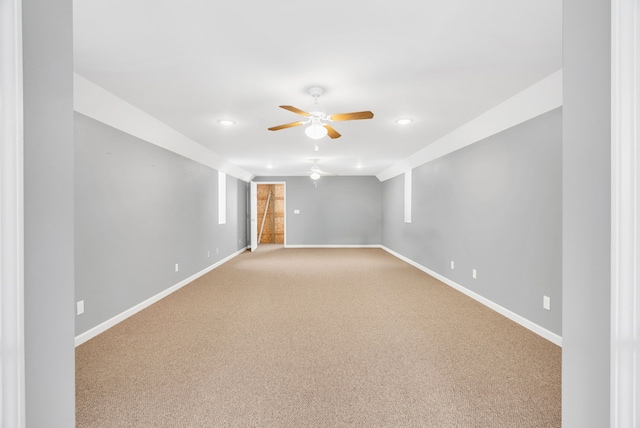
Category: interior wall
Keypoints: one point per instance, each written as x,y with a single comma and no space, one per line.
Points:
140,210
332,210
48,213
494,206
587,213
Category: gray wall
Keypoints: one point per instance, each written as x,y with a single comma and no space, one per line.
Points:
494,206
141,209
338,211
586,212
48,213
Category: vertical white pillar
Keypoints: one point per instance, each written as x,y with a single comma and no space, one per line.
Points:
625,214
407,196
11,217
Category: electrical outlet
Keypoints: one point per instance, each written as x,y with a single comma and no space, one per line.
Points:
296,211
474,274
80,307
453,266
208,253
546,302
176,267
217,251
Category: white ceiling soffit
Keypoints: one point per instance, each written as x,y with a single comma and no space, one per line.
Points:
538,99
191,63
101,105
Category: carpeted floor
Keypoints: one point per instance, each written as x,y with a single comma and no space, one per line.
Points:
317,338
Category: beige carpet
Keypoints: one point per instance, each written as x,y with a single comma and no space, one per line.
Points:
317,338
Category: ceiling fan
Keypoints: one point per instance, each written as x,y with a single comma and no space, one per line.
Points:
315,170
318,119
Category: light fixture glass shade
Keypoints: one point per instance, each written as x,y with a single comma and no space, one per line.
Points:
316,131
314,175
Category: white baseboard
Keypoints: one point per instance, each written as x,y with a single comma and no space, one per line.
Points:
541,331
91,333
334,246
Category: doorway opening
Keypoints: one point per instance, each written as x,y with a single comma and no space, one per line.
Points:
271,213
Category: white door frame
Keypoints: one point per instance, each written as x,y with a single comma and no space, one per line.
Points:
625,213
253,215
12,408
254,202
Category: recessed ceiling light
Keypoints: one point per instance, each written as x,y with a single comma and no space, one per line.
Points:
226,122
269,166
359,166
404,121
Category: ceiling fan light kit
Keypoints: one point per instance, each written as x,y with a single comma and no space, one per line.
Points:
316,131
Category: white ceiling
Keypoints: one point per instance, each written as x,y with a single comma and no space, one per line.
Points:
442,63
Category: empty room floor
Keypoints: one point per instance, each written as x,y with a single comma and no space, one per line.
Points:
317,338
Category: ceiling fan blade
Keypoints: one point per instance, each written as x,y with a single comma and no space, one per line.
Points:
296,111
351,116
332,133
287,125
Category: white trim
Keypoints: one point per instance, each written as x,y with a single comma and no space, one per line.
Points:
408,181
625,214
538,99
253,215
100,104
334,246
90,334
539,330
222,198
12,374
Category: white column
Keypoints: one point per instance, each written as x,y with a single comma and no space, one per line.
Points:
11,216
625,214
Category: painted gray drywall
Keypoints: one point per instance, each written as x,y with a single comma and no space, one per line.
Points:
333,211
141,209
586,213
48,213
494,206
